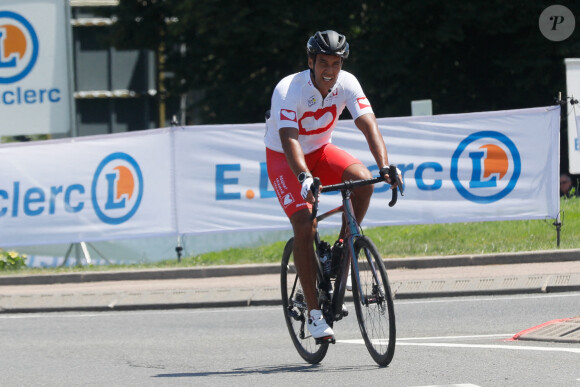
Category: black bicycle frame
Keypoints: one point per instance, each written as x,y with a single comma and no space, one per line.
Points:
352,232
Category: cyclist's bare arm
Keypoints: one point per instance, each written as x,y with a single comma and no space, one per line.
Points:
294,154
367,124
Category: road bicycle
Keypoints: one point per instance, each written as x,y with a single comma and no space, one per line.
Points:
369,283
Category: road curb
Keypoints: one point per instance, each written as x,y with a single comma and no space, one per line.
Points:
543,256
167,300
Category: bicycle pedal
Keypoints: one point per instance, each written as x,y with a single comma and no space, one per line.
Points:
327,339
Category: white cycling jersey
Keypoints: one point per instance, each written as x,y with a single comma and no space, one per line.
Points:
297,103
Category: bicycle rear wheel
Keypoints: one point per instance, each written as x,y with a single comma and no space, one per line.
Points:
296,311
373,302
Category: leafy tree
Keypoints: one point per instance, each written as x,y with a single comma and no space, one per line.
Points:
237,52
141,23
465,56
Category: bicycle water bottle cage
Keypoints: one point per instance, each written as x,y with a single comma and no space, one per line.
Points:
325,257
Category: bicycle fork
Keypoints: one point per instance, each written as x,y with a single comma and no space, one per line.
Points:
353,233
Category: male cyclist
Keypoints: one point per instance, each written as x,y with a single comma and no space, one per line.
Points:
304,111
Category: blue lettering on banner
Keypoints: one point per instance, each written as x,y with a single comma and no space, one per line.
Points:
15,199
3,195
499,167
34,200
124,191
67,198
123,180
21,65
33,195
5,63
21,96
428,175
476,172
53,192
419,176
111,204
221,181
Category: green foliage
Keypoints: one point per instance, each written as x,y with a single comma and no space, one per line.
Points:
11,260
35,137
439,239
429,240
392,242
271,253
141,23
465,56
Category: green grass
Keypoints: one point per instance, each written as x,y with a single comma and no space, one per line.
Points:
406,241
438,239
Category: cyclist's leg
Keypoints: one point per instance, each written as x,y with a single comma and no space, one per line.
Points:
337,165
305,263
361,197
304,257
287,189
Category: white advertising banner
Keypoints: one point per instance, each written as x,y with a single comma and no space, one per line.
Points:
86,189
35,91
457,168
573,91
207,179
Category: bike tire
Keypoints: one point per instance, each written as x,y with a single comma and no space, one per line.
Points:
296,312
376,317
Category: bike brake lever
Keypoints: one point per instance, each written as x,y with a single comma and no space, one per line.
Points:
394,176
315,188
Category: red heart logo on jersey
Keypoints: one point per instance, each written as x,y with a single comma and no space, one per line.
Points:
318,115
288,115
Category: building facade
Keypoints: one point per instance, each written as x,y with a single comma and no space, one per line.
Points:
115,90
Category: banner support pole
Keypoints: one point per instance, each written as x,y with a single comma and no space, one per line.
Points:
179,248
558,225
558,222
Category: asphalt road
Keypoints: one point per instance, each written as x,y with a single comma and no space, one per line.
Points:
445,341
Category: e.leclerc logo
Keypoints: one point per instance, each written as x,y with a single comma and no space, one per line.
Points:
18,47
117,188
485,167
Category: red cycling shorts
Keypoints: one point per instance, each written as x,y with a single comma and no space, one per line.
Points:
327,163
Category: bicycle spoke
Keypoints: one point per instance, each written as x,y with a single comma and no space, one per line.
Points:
373,303
296,311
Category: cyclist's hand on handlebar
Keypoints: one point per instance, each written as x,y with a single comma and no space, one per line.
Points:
392,175
384,172
315,193
306,190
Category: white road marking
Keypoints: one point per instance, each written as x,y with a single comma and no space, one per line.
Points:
114,313
508,335
495,298
452,385
478,346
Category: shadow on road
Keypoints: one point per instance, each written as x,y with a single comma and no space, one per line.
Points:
263,370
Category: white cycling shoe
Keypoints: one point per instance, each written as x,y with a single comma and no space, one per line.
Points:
317,325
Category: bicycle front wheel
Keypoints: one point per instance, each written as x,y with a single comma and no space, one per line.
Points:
373,302
296,311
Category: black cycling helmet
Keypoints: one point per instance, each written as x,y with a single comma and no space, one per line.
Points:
327,42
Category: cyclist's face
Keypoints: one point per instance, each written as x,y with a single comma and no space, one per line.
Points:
325,69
